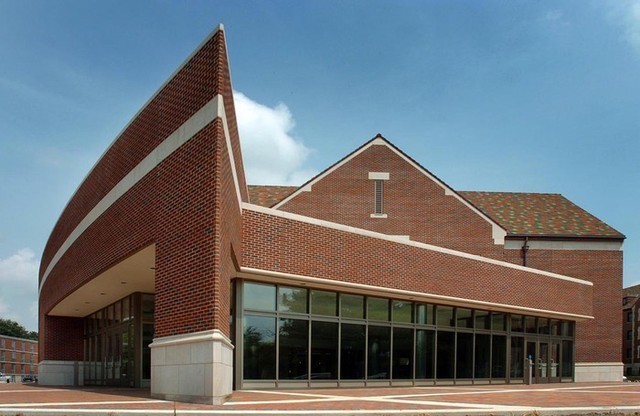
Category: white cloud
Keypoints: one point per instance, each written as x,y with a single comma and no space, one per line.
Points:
553,15
272,156
626,13
19,279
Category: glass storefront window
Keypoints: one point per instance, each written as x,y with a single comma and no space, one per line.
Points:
425,314
445,352
117,313
567,358
352,351
293,346
530,325
517,357
259,296
464,318
498,356
464,355
259,347
516,323
292,299
444,315
543,326
126,312
352,306
483,320
324,303
379,348
378,309
402,311
468,344
402,353
425,347
498,321
148,308
483,356
324,350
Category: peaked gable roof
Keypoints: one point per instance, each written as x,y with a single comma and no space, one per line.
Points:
498,232
536,214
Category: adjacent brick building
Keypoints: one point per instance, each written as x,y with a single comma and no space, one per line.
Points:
18,357
631,330
166,270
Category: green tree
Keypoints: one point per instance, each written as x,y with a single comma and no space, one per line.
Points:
14,329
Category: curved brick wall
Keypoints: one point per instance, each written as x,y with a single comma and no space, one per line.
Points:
178,206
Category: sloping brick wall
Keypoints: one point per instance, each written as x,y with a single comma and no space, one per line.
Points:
288,246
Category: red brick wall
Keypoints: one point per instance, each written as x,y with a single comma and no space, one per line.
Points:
187,206
414,204
279,244
599,340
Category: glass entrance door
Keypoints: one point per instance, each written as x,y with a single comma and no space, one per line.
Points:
554,362
544,356
542,363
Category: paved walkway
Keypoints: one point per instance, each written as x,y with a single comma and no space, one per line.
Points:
566,399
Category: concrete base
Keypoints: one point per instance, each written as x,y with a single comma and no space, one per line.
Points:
586,372
60,373
195,368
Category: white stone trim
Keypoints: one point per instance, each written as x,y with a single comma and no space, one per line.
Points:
587,245
498,233
396,239
209,112
223,116
269,275
60,373
599,371
211,335
378,215
379,176
196,367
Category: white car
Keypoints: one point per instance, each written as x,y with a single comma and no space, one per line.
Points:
5,379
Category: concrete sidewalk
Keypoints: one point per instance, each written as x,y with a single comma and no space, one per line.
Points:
567,399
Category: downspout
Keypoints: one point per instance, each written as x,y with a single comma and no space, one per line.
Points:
525,249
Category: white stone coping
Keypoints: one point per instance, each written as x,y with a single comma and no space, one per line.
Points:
214,335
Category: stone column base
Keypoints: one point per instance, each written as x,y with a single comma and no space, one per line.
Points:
195,368
586,372
60,373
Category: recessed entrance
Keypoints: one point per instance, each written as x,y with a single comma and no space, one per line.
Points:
116,343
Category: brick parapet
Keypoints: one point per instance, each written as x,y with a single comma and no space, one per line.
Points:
280,244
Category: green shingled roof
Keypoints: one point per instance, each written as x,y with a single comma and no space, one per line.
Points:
535,214
519,213
269,195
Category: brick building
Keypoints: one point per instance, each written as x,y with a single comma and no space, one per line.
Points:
166,270
631,330
18,357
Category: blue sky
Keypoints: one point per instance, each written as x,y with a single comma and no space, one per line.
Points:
530,96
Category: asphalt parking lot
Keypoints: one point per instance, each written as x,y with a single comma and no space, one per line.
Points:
566,399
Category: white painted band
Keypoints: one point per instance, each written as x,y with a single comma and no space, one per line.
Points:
396,239
253,273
